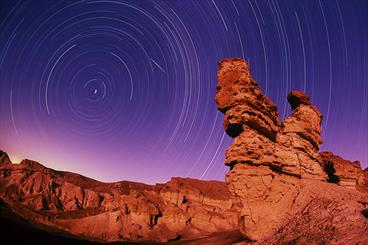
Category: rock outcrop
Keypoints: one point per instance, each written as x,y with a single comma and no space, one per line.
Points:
120,211
325,213
341,171
4,158
273,165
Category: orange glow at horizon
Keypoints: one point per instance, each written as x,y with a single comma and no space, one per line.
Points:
15,159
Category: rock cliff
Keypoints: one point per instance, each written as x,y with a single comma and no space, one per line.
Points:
275,167
120,211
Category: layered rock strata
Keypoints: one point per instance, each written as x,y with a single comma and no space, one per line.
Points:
271,162
120,211
343,172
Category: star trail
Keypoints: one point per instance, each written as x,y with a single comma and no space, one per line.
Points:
125,89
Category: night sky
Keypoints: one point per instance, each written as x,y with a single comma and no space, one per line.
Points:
124,90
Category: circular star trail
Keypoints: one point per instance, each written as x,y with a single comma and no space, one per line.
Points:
125,89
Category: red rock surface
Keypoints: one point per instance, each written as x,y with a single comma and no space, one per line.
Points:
323,213
181,208
275,168
341,171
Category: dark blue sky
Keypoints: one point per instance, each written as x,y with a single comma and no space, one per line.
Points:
125,89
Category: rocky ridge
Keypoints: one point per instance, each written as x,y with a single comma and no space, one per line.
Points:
122,211
276,169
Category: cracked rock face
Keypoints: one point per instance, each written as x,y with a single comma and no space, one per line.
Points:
268,159
290,147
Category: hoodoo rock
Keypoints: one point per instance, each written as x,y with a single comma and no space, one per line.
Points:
297,98
242,101
266,158
273,165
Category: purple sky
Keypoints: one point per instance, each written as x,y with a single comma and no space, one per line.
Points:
125,89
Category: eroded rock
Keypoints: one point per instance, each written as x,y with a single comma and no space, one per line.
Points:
121,211
341,171
274,166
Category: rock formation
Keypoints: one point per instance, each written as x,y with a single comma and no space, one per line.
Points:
273,165
4,158
120,211
341,171
279,190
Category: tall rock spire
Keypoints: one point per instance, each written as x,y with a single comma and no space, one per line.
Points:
267,158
